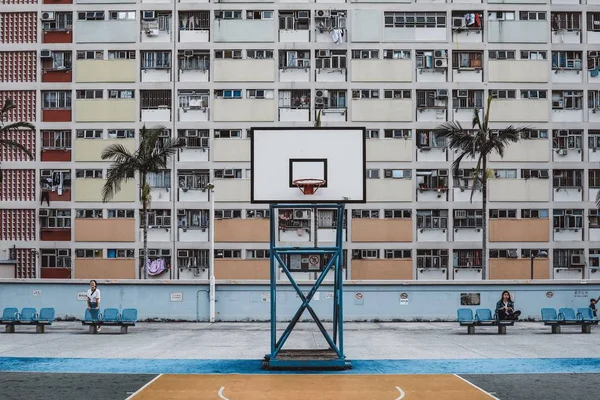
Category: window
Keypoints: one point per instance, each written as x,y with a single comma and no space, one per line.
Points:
372,133
431,99
594,178
193,180
501,55
503,94
534,94
467,258
259,54
467,99
567,21
89,94
534,173
122,15
231,54
228,94
593,139
121,54
430,139
566,139
87,213
55,219
468,219
395,214
90,54
360,254
258,214
63,21
192,259
121,133
534,134
432,59
121,94
503,253
228,133
532,16
568,219
398,254
432,219
467,60
501,15
88,173
89,133
259,14
533,55
527,253
56,258
594,100
61,61
567,60
436,258
258,254
56,140
228,14
414,20
120,253
192,219
567,178
534,213
566,258
228,214
158,218
365,54
499,214
330,59
161,179
121,213
294,20
395,54
54,179
397,173
56,100
330,99
373,173
156,59
294,59
259,94
505,173
89,253
228,173
373,214
365,94
432,179
228,253
593,22
90,15
396,94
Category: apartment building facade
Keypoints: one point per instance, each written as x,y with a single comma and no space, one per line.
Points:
91,73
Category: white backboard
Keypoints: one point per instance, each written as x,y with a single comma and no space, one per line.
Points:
281,155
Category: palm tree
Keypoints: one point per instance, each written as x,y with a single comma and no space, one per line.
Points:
151,156
5,129
479,143
318,120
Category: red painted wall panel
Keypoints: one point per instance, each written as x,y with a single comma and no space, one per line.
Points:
55,235
65,196
57,37
52,115
57,76
56,155
55,273
57,1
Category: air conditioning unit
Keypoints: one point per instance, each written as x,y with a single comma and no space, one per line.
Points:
463,93
440,54
441,93
440,63
301,214
192,133
322,93
45,54
183,254
458,22
319,100
303,14
43,213
562,152
323,53
188,53
228,172
147,15
323,13
577,260
48,16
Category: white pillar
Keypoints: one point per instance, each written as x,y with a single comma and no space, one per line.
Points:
211,256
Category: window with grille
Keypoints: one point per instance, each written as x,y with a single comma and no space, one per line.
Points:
89,213
414,20
55,219
466,60
221,253
56,100
530,213
56,140
374,214
567,139
63,21
397,213
121,213
568,219
503,213
431,139
467,258
192,219
56,258
294,20
160,179
432,219
468,219
567,21
365,54
566,258
434,258
567,178
397,254
159,218
330,59
467,99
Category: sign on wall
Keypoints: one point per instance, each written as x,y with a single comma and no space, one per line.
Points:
177,297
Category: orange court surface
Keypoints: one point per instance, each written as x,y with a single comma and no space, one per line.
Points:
309,387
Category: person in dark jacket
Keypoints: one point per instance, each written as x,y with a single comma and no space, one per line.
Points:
593,306
505,308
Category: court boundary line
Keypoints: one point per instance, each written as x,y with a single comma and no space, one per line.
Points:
476,387
144,387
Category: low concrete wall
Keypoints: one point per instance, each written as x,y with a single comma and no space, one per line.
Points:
375,301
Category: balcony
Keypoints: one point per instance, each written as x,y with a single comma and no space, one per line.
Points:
104,230
56,146
192,186
567,106
193,106
56,66
194,26
432,65
519,230
382,230
294,105
294,26
432,185
330,26
57,27
294,66
431,147
332,105
567,185
467,66
247,70
467,27
519,190
567,67
465,102
195,147
566,27
192,225
432,105
330,66
156,27
155,105
155,66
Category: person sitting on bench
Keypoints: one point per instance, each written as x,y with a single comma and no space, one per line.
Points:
593,305
505,308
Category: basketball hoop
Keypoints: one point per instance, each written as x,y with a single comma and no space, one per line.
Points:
309,186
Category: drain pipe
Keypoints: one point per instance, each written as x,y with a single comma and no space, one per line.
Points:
211,256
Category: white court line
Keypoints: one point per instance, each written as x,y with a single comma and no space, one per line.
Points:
221,393
144,387
402,394
475,386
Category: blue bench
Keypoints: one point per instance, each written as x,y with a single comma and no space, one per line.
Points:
111,317
567,317
482,317
28,316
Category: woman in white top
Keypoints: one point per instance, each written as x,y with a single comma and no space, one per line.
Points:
93,296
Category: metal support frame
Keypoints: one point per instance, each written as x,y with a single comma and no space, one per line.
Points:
332,358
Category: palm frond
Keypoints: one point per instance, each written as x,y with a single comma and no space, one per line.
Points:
476,122
160,155
16,126
6,107
117,153
486,117
11,144
117,175
598,200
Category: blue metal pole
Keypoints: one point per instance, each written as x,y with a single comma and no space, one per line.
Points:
340,281
273,277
